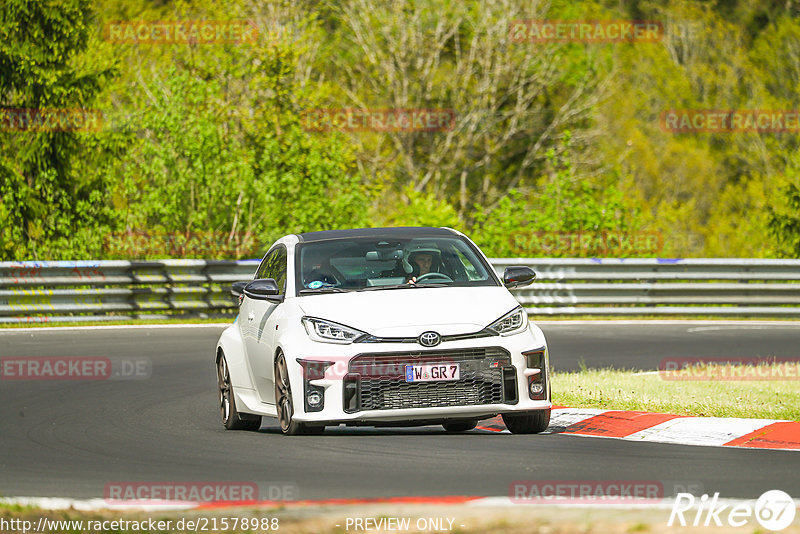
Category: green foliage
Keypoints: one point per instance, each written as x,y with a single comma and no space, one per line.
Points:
203,151
310,184
509,99
421,209
217,168
50,206
783,219
182,176
784,224
568,217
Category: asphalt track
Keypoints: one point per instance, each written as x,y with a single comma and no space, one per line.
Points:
71,439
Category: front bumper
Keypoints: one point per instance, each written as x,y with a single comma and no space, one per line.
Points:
495,378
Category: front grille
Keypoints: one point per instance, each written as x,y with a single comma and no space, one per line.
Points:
378,382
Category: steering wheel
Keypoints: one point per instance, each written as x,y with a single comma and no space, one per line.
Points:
434,276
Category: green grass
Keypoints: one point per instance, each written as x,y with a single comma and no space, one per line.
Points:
628,390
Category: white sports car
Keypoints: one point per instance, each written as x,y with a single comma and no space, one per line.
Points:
381,327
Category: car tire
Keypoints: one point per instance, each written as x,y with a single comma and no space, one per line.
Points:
285,405
531,422
460,425
232,419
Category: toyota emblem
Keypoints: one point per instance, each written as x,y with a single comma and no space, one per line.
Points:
429,339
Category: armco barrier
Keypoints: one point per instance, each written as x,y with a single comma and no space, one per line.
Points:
105,290
730,287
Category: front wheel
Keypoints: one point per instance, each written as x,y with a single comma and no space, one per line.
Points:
285,405
531,422
231,418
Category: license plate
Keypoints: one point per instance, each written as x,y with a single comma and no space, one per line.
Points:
432,372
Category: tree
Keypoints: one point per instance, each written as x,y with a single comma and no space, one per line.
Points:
510,99
783,214
567,217
46,199
216,146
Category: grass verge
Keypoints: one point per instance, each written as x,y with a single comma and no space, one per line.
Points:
652,392
121,321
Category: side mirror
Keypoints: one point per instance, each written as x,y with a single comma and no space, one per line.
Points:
262,289
518,276
237,288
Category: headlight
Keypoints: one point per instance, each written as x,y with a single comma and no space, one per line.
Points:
330,332
511,323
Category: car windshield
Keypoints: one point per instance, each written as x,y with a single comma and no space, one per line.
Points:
350,264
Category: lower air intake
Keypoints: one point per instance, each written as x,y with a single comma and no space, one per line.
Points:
382,381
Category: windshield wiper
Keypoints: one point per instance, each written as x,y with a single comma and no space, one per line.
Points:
308,290
402,286
392,286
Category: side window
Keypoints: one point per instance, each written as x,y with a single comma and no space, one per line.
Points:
264,267
280,269
274,266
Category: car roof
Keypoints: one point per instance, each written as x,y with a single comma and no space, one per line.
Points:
399,232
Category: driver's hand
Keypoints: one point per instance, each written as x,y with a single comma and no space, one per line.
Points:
412,280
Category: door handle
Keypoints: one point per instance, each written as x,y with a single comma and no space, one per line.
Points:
250,317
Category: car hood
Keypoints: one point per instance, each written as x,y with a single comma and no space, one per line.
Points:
409,312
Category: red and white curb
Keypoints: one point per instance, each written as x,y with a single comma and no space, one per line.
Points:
666,428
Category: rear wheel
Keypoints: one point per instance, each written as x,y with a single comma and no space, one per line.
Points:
231,418
460,425
285,405
531,422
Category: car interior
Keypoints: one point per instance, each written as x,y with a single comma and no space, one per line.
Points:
360,264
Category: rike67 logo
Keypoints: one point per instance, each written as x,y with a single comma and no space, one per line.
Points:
774,510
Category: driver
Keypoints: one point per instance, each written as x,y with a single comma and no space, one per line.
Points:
422,259
423,262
